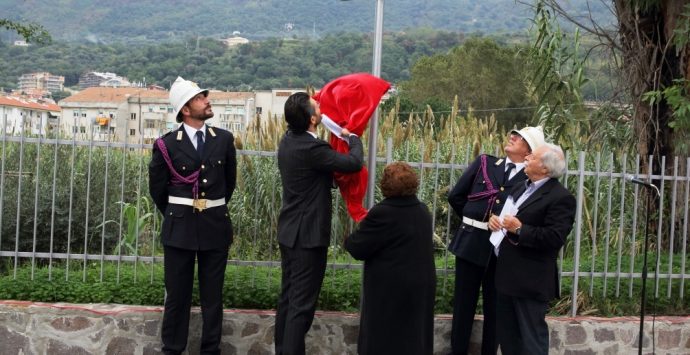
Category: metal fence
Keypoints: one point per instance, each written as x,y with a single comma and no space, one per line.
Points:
65,202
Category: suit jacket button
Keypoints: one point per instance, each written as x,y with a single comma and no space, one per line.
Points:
502,188
184,168
498,201
205,181
203,166
203,194
219,162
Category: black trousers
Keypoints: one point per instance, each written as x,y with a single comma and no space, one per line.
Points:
303,271
468,279
522,328
179,279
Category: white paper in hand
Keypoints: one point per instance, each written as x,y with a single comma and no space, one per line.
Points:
333,127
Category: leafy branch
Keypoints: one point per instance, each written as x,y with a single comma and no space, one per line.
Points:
31,32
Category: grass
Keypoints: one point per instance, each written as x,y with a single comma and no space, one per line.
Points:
257,287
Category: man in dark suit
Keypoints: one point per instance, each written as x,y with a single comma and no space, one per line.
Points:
481,191
306,166
192,177
532,228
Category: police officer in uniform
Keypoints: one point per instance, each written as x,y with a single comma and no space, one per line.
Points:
192,177
480,192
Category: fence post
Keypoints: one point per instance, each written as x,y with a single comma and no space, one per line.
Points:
389,150
578,225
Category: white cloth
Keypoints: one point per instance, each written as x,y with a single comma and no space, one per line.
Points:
191,133
511,208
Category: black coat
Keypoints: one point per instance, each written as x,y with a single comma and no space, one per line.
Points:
470,243
306,167
529,268
182,227
395,242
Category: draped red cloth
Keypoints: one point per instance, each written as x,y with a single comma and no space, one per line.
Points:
350,101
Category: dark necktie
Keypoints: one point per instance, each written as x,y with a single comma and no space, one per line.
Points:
509,168
518,192
200,143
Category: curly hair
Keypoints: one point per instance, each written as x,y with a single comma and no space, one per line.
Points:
399,179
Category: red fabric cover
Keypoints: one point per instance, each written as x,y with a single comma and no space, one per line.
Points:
350,101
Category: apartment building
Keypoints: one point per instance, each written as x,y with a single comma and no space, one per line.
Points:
41,81
21,116
270,104
141,115
94,78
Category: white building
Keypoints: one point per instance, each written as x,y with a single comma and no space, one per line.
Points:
234,41
42,81
94,78
28,117
139,115
271,103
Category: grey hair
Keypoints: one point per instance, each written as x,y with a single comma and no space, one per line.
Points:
553,160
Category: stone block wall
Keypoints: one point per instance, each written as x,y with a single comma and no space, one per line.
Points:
41,328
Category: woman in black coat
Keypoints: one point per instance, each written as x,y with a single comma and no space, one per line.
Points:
395,242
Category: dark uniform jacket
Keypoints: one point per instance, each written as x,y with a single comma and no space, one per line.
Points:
470,243
182,226
529,268
306,167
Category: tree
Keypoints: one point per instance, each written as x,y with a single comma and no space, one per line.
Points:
652,42
482,74
31,32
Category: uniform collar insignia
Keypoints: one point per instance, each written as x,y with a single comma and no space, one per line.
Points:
498,162
210,130
179,135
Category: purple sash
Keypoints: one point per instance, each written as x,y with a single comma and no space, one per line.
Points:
178,179
491,192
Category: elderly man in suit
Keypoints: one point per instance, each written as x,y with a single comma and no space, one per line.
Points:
192,177
306,165
532,228
480,192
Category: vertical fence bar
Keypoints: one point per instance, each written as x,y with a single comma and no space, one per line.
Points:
253,252
674,190
434,196
56,148
578,229
20,174
105,197
608,223
595,214
125,154
451,181
561,252
2,172
274,227
421,168
37,177
684,255
88,203
75,128
659,236
633,235
142,151
389,150
621,225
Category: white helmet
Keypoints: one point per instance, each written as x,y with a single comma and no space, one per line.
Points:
534,136
182,91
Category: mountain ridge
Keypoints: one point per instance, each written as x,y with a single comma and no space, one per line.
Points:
148,20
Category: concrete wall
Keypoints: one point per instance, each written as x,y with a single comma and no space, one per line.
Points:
41,328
